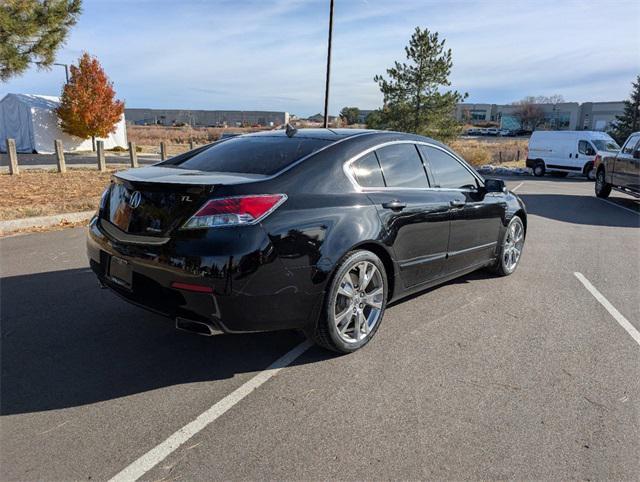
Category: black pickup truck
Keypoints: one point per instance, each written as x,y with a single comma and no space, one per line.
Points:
621,171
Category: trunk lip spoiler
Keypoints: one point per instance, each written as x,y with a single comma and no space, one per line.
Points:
187,177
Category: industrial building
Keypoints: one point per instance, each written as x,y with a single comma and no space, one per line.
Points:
205,118
593,116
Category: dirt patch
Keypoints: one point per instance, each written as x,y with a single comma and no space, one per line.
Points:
42,193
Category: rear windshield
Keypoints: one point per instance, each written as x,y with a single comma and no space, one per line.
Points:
253,154
606,145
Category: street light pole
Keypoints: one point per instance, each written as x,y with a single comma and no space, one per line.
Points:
66,71
326,89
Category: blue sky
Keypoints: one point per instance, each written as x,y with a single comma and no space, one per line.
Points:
270,54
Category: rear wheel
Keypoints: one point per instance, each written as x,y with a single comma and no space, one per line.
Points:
539,169
603,188
354,304
510,248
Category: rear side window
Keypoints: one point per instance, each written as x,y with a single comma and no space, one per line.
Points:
447,171
630,144
253,154
367,171
402,166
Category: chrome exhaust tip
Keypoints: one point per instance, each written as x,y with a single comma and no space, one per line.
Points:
197,327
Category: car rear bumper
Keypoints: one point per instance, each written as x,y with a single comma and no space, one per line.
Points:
234,293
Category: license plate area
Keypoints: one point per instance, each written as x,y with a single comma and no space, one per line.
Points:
120,272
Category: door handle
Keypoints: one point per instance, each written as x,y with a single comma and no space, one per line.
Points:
394,205
457,203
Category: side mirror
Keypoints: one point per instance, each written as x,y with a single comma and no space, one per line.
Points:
495,185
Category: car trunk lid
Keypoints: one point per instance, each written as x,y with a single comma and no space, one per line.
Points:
154,201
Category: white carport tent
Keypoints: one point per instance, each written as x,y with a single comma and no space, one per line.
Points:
32,121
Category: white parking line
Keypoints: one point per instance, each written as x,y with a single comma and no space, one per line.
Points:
618,206
156,455
515,188
622,321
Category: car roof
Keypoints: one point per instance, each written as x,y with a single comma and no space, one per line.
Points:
325,134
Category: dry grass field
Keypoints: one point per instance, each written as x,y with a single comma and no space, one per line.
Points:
42,193
478,152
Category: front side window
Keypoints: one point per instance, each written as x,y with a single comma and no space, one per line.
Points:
585,148
630,144
264,155
606,145
447,171
402,166
367,171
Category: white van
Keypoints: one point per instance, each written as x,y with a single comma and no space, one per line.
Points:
563,152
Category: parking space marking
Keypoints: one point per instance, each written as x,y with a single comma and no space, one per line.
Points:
519,185
618,205
622,321
157,454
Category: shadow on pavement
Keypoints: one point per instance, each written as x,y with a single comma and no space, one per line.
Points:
587,210
66,343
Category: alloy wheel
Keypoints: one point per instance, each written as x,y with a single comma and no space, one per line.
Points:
513,244
358,303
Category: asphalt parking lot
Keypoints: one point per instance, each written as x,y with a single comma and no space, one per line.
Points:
524,377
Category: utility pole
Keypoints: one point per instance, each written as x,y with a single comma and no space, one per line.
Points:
326,89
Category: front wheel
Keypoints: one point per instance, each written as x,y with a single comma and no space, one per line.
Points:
354,304
589,172
510,249
603,188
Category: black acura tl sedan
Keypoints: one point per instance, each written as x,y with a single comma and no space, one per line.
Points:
311,229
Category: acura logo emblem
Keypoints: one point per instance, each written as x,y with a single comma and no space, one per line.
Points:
135,199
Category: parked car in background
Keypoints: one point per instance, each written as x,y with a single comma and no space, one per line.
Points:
492,131
562,152
311,229
621,170
506,133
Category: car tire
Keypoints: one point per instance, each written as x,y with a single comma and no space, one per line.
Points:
602,187
350,315
510,248
539,169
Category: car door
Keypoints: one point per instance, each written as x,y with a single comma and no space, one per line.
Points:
625,169
416,219
476,216
586,153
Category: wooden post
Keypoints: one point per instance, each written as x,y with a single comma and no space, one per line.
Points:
62,166
191,145
13,157
163,151
133,154
518,155
102,163
500,156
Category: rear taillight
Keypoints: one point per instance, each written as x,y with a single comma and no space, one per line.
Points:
234,211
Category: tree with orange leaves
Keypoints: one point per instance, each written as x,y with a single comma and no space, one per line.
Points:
88,107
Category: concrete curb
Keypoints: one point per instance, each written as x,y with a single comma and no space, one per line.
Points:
11,225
